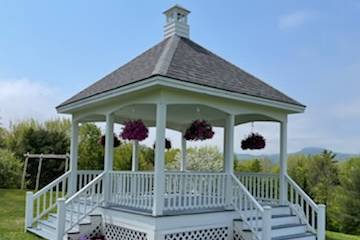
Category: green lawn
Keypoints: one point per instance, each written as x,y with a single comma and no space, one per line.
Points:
12,203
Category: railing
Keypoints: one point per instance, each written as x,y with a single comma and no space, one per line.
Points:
185,191
132,189
264,187
256,218
86,176
43,202
310,213
73,210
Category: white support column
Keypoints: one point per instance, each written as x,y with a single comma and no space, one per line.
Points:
135,156
266,223
283,162
321,222
29,207
109,152
183,153
61,219
229,155
159,174
72,185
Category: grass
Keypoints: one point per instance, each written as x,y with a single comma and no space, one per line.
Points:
12,204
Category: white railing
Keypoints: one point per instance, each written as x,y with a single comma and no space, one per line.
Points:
44,201
310,213
256,218
185,190
132,189
86,176
264,187
73,210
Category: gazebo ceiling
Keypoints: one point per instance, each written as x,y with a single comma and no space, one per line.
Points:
179,116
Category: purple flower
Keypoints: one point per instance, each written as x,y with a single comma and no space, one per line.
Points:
253,141
134,130
199,130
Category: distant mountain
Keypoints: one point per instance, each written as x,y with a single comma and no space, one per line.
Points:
304,151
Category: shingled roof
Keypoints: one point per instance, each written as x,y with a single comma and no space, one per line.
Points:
184,60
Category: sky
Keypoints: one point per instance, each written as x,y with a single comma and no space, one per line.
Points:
50,50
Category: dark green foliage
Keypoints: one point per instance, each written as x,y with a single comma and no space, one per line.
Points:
10,170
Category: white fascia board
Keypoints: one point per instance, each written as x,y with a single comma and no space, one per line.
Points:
178,84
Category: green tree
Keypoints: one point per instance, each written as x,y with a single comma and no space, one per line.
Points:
298,169
91,153
10,170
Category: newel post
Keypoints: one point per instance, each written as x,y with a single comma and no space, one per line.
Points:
266,223
109,152
321,222
283,162
72,185
229,156
61,214
159,174
29,207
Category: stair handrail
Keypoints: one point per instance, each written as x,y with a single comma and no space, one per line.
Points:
310,213
90,197
45,199
242,202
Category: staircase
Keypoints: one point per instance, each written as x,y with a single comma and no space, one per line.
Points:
285,225
46,228
52,213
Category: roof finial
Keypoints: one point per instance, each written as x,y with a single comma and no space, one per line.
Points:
176,22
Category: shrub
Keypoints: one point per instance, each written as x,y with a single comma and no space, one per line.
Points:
10,170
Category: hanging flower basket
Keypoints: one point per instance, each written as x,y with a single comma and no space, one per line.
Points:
254,141
199,130
134,130
167,144
116,141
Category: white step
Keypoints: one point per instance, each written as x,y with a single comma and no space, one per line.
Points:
275,220
301,236
42,233
280,210
287,229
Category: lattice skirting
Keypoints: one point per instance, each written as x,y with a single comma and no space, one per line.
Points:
220,233
237,236
119,233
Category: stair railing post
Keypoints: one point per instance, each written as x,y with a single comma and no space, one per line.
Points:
321,222
266,223
61,215
29,207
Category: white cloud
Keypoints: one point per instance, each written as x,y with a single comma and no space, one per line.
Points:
23,99
293,20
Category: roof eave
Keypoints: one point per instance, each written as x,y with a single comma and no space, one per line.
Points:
170,82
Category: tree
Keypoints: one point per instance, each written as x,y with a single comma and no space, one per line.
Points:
10,170
91,153
298,169
349,197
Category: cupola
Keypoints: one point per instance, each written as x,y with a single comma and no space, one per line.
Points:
176,22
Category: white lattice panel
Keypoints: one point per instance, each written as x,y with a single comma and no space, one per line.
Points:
119,233
220,233
237,236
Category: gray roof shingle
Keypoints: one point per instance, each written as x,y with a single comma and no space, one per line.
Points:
182,59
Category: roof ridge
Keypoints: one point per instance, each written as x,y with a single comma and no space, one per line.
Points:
166,56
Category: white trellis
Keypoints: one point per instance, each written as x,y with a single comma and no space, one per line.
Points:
42,157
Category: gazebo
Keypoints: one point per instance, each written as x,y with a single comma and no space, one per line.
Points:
168,86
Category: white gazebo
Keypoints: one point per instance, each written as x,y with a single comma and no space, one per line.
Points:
168,86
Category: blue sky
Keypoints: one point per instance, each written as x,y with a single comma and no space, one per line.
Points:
49,50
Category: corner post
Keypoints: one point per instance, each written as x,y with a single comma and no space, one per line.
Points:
29,207
183,153
266,223
159,174
72,185
321,222
283,162
61,214
135,156
109,152
229,156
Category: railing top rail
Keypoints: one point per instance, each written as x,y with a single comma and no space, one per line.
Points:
50,185
244,189
90,171
256,174
301,192
196,173
131,172
85,188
